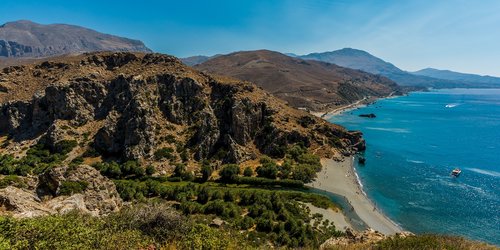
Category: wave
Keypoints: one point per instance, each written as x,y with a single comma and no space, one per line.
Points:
415,161
416,205
395,130
452,105
486,172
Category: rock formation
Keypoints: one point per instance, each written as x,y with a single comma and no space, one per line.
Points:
23,39
123,105
98,195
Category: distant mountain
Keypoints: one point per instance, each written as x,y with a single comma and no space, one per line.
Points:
26,39
456,76
309,84
193,60
362,60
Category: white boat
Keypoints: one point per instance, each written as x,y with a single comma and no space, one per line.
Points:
456,172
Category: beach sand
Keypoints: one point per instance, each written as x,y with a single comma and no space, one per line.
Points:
340,178
337,217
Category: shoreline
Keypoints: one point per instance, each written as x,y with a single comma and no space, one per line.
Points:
340,178
355,105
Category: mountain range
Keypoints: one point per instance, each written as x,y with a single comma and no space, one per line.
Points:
362,60
314,85
26,39
459,77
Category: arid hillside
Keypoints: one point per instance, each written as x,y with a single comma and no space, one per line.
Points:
314,85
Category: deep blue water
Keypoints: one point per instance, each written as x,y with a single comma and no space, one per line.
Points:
412,146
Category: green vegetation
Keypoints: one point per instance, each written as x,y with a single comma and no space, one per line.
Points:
165,153
145,226
38,159
248,172
277,215
426,241
298,165
72,187
11,180
129,169
229,173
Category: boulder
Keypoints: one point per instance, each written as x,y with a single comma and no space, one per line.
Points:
21,203
98,198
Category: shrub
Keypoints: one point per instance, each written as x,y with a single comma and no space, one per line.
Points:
72,187
11,180
164,153
65,146
204,237
229,173
245,223
150,170
248,172
156,220
170,138
206,171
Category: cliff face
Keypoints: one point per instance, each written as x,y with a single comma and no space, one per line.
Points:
28,39
125,105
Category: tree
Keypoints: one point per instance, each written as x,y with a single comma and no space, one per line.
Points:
150,170
229,172
206,171
179,169
305,173
248,172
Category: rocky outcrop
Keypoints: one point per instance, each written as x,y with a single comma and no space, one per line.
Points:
56,193
98,197
21,203
131,100
369,236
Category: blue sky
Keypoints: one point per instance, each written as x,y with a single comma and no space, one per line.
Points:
458,35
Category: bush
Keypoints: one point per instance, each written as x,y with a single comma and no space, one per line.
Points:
150,170
11,180
204,237
72,187
258,181
206,171
165,153
156,220
229,173
248,172
65,146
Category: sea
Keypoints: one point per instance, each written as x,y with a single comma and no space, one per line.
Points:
415,142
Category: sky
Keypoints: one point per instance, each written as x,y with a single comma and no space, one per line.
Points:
459,35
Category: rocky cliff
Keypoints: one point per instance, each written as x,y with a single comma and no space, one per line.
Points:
51,193
129,106
22,39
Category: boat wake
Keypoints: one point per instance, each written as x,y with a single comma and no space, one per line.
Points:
486,172
415,161
395,130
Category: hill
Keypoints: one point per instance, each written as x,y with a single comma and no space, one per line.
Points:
302,83
126,104
362,60
460,77
22,39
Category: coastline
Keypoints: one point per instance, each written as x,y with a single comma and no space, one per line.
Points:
355,105
340,178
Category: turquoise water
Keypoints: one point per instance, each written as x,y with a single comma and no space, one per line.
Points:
412,146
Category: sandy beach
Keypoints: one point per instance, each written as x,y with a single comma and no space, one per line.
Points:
326,115
340,178
346,108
